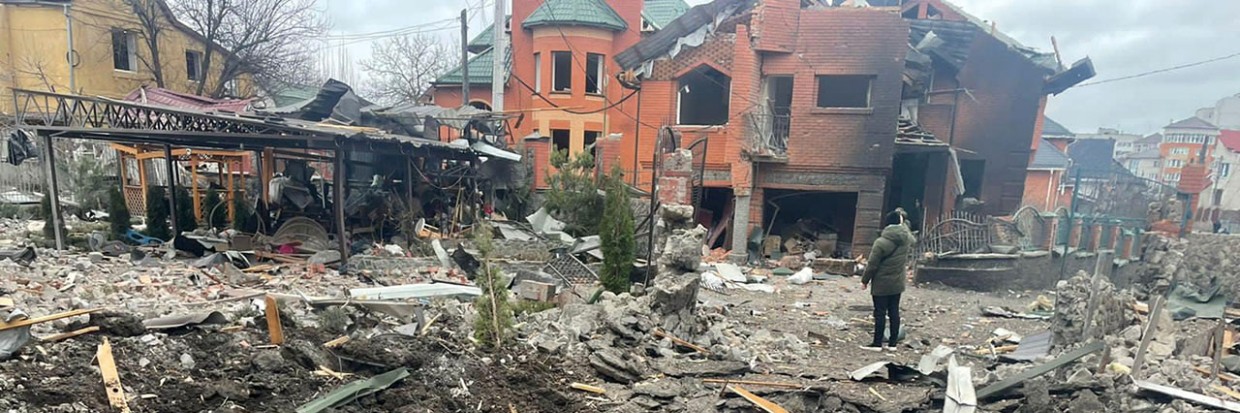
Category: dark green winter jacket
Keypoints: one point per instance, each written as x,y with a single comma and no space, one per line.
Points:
884,272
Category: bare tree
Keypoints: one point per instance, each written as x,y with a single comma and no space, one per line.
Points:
401,68
148,13
270,41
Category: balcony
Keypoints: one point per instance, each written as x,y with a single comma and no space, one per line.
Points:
768,136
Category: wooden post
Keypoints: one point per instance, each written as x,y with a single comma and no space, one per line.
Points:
1219,346
53,192
274,328
1146,335
172,189
340,181
267,169
409,183
1102,269
232,190
111,380
142,180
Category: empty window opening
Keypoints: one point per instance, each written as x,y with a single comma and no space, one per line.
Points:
478,104
124,50
588,143
561,71
844,91
715,214
594,73
538,75
193,65
560,140
973,171
704,94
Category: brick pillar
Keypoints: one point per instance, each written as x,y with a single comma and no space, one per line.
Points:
1051,233
746,80
1074,239
1095,237
1125,249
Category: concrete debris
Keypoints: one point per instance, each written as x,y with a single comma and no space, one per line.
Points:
683,251
1113,310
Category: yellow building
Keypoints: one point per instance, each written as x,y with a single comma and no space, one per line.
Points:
109,49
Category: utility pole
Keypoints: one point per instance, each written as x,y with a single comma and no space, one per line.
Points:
464,57
499,49
69,53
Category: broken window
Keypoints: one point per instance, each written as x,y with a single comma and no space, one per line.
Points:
594,73
704,94
124,50
561,71
844,91
591,137
537,72
560,140
193,65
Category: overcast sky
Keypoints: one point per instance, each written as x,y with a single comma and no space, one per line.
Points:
1122,38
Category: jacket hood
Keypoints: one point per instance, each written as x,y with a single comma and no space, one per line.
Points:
898,234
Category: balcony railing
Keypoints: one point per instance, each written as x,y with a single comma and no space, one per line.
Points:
769,135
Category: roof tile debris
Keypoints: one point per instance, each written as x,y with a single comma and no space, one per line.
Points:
169,98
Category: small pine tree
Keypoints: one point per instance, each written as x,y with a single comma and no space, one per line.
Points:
185,211
118,213
157,213
616,235
214,209
243,215
573,193
495,313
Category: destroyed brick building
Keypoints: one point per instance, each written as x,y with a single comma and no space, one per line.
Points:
803,129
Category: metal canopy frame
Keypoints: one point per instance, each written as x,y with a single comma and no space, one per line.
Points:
57,115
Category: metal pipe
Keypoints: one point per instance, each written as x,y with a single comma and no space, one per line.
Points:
465,57
69,54
57,222
172,189
498,51
637,138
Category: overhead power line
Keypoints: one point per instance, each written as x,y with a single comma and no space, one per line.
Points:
1164,70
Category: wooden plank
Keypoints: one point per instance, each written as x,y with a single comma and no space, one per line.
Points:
273,321
680,342
336,342
996,350
1226,390
1224,376
46,318
71,334
755,383
588,388
1039,370
764,404
1189,396
1146,336
111,380
1218,345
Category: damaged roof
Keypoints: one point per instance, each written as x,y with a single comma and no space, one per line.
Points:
1049,157
592,13
664,40
165,97
957,37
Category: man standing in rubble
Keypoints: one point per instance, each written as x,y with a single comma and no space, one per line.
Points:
886,271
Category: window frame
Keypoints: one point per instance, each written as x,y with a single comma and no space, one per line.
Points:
130,40
568,87
819,95
600,78
195,74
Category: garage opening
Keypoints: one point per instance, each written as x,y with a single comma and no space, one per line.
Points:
798,222
715,213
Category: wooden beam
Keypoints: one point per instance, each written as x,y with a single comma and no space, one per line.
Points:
46,318
57,221
764,404
125,148
680,342
1146,335
68,335
193,187
274,328
267,169
111,380
172,189
341,181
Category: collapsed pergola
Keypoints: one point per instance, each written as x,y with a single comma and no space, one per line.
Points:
55,116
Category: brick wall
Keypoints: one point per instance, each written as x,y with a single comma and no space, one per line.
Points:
996,119
776,24
716,50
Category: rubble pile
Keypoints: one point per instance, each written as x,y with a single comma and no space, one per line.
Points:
1202,261
1112,310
